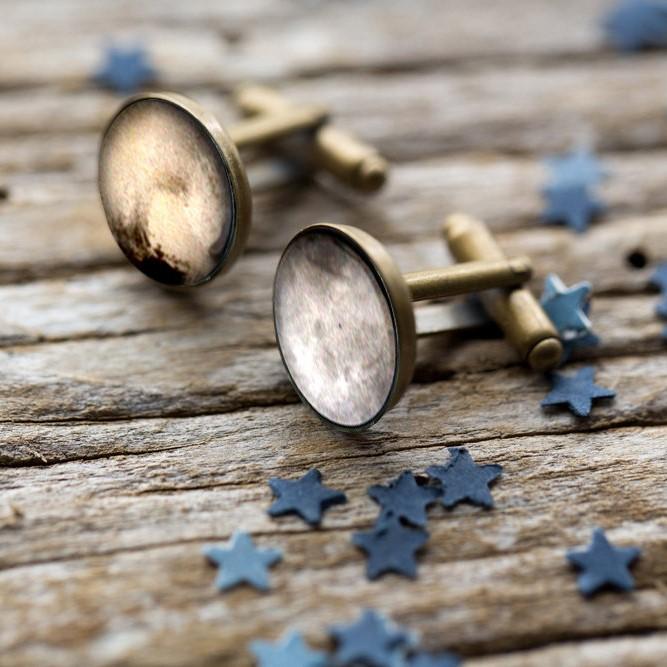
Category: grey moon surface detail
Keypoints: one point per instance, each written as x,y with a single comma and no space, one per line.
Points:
335,329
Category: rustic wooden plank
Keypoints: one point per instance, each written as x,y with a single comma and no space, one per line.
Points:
202,44
514,108
93,392
33,16
504,191
223,469
645,650
72,65
477,563
58,153
391,36
33,245
202,353
121,302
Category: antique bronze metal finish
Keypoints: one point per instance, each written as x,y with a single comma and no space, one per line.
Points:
468,277
348,361
352,161
174,188
265,128
516,311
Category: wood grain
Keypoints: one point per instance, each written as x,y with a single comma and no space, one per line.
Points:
139,425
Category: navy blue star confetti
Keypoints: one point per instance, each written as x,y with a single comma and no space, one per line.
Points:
290,652
603,565
391,547
307,497
634,25
404,499
659,280
576,392
241,562
465,481
580,167
125,70
571,205
371,641
423,659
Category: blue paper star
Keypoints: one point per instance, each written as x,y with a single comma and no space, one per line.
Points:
391,547
241,563
604,565
404,499
578,167
571,343
659,280
291,651
423,659
566,306
307,497
125,70
637,24
371,641
465,481
571,205
576,392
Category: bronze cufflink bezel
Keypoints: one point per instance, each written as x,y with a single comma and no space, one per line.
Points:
270,118
230,159
400,291
397,295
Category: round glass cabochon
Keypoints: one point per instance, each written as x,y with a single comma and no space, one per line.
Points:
166,192
335,329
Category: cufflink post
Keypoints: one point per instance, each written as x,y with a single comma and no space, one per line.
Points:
515,310
349,159
345,322
174,187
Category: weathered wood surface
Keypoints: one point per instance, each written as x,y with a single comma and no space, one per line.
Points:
139,424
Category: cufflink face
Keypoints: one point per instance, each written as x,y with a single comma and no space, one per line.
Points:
344,324
173,188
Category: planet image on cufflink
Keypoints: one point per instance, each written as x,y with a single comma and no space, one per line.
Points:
174,190
344,324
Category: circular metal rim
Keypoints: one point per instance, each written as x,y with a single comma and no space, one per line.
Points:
397,294
241,199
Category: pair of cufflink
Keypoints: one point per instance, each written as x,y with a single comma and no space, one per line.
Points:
177,200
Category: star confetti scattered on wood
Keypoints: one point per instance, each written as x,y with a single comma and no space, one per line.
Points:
576,392
572,343
634,25
579,167
372,640
291,651
603,565
125,70
391,547
659,279
242,563
307,497
568,309
571,205
465,481
405,499
566,306
423,659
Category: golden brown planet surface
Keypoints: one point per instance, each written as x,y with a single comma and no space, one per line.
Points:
166,192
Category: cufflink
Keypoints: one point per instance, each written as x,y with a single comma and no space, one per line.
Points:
174,188
345,324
